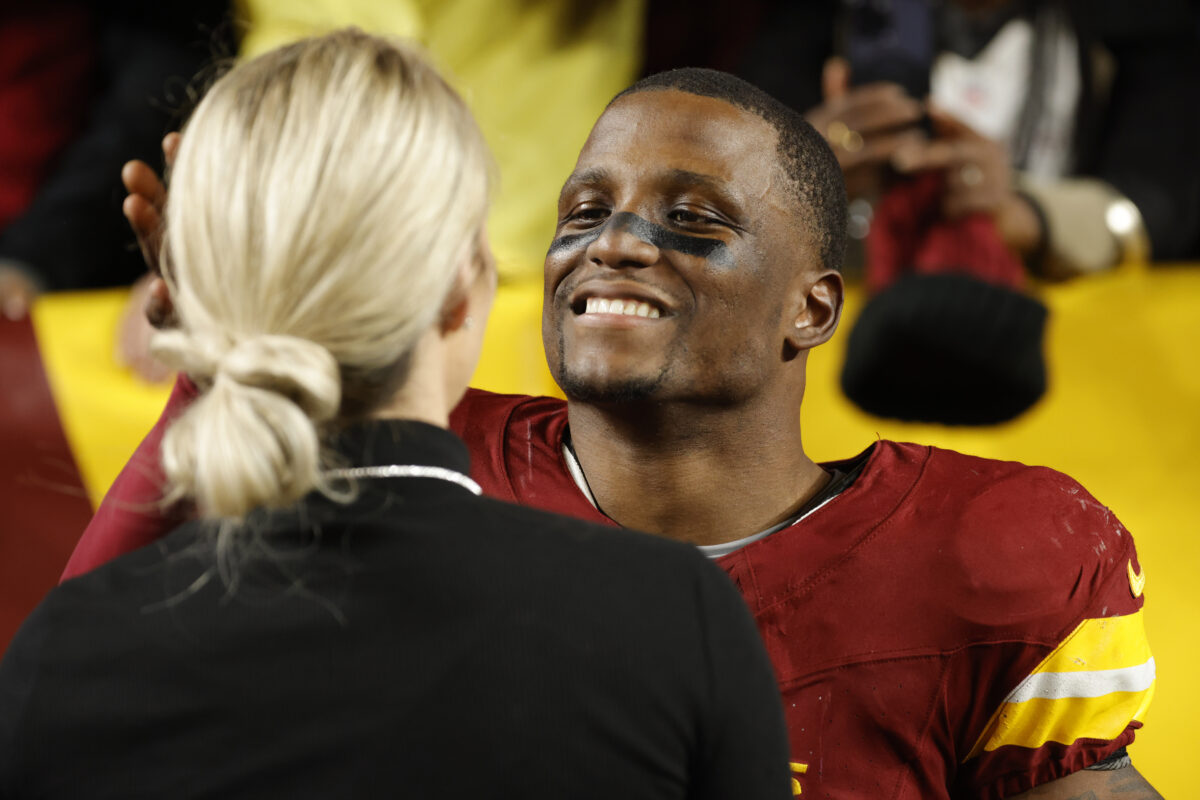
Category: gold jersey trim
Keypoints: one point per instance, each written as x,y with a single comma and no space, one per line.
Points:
1097,681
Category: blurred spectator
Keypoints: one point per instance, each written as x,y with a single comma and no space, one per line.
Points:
99,84
1085,100
981,141
47,57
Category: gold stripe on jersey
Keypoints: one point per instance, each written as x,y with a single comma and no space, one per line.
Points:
1098,680
799,769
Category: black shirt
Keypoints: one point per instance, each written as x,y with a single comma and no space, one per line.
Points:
420,642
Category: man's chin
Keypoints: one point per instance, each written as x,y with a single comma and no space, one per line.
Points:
609,390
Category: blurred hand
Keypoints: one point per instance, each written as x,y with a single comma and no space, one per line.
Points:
865,125
978,178
17,292
149,304
146,200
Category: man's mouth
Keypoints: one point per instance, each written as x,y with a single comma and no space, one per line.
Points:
629,307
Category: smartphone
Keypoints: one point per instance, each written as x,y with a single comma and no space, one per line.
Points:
889,40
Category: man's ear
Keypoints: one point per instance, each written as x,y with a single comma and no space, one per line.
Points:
813,311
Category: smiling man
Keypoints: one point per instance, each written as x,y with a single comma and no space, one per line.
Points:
941,625
676,207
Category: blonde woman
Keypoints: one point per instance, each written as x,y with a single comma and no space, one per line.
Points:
346,616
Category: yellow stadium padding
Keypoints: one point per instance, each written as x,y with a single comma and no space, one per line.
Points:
513,360
1121,416
104,409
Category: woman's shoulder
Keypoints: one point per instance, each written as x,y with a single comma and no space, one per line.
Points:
592,551
566,532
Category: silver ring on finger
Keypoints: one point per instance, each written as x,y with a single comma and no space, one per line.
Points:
971,175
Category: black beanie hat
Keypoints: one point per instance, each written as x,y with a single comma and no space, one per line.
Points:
947,348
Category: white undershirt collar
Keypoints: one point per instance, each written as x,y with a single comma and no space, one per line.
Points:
710,550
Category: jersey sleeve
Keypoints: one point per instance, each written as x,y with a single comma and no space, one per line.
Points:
131,515
515,442
1076,697
480,420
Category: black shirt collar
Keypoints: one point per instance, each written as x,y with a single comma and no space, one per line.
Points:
380,442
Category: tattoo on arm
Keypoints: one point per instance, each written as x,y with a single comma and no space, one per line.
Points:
1130,785
1120,784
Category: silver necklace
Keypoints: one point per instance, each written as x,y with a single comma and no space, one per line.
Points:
408,471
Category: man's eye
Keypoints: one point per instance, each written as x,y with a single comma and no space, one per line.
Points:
588,213
690,217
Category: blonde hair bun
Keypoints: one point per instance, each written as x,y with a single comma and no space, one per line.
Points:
301,370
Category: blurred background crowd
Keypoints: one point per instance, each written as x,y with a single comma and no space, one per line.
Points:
1024,185
1041,115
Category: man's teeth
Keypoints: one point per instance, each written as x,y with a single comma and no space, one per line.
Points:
630,308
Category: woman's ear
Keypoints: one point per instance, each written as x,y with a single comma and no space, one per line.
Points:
814,310
457,305
474,288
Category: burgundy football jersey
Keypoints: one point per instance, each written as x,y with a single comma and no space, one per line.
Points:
947,626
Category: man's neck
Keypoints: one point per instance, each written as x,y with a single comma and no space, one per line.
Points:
697,474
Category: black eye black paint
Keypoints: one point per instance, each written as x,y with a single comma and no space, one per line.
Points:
712,249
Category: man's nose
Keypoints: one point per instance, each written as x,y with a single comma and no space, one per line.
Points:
619,246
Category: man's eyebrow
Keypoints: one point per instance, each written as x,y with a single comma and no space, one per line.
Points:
689,178
598,178
714,186
586,178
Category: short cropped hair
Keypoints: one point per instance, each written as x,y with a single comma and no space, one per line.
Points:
805,156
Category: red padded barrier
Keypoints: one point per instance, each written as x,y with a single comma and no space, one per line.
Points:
43,505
